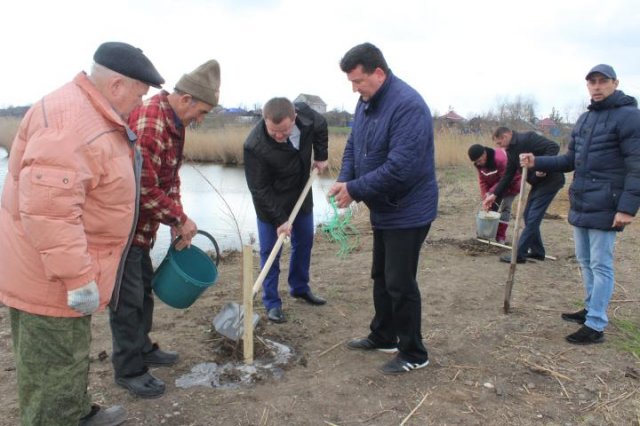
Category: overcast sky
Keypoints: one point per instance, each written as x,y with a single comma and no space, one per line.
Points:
469,55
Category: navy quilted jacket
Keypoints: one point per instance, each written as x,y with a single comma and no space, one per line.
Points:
388,161
604,154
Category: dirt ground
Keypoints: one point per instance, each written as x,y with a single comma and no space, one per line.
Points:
487,368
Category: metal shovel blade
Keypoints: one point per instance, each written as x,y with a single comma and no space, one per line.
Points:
230,321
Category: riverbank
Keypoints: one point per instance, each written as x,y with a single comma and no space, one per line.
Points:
486,368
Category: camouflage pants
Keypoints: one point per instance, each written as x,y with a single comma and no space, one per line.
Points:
52,365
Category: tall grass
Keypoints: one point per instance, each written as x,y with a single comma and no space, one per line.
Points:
224,145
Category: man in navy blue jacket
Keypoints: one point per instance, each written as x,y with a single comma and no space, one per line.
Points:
388,163
604,154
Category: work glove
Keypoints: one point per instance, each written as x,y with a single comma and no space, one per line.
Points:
85,299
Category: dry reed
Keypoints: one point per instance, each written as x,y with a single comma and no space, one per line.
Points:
224,145
8,130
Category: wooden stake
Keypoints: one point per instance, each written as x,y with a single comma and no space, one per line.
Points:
247,297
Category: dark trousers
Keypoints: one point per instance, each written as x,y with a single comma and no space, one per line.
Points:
132,319
530,240
299,262
396,296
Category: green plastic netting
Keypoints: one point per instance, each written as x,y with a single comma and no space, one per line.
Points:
339,229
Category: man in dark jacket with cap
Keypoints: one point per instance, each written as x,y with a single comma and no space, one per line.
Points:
68,208
160,125
604,154
279,154
544,188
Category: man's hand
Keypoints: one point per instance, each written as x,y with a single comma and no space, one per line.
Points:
488,201
85,299
621,220
527,160
285,228
321,166
341,194
186,232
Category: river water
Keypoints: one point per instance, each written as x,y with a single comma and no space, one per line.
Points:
217,199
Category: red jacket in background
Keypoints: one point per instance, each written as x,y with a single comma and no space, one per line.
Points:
490,174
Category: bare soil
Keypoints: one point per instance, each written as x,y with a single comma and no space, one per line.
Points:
487,368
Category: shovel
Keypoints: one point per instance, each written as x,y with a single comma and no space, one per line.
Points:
514,248
229,322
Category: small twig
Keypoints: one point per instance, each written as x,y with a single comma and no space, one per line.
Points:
330,424
330,349
473,410
339,311
542,369
265,416
563,388
612,402
456,376
378,414
406,419
624,301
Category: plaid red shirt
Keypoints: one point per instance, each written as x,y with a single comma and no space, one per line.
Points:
161,140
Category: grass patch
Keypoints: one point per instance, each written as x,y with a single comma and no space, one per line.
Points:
629,339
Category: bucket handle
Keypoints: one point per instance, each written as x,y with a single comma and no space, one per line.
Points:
210,237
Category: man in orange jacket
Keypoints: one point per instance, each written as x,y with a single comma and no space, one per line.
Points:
68,208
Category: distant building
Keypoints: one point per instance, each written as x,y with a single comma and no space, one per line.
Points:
313,101
451,120
549,127
452,117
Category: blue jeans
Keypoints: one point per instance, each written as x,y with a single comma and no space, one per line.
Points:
530,240
594,251
301,244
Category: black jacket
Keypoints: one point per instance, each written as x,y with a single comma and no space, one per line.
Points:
538,146
604,154
277,172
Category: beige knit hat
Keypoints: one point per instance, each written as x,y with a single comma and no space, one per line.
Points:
202,83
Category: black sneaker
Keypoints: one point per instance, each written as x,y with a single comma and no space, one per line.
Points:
397,365
579,317
367,344
586,336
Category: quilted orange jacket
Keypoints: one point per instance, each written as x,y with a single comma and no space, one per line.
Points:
69,201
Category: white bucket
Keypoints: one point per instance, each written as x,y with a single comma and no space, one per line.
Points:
487,224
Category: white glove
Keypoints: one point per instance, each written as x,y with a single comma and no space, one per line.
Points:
85,299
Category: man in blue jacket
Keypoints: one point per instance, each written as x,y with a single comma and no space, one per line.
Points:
604,154
388,163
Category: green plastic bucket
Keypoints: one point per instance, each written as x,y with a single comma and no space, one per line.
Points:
185,274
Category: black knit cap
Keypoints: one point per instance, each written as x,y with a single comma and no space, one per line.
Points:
129,61
475,152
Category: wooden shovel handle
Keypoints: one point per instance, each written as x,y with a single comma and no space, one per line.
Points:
514,247
278,244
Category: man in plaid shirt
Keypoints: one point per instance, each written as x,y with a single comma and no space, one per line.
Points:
160,125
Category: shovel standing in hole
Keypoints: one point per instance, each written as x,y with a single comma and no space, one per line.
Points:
514,246
230,321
